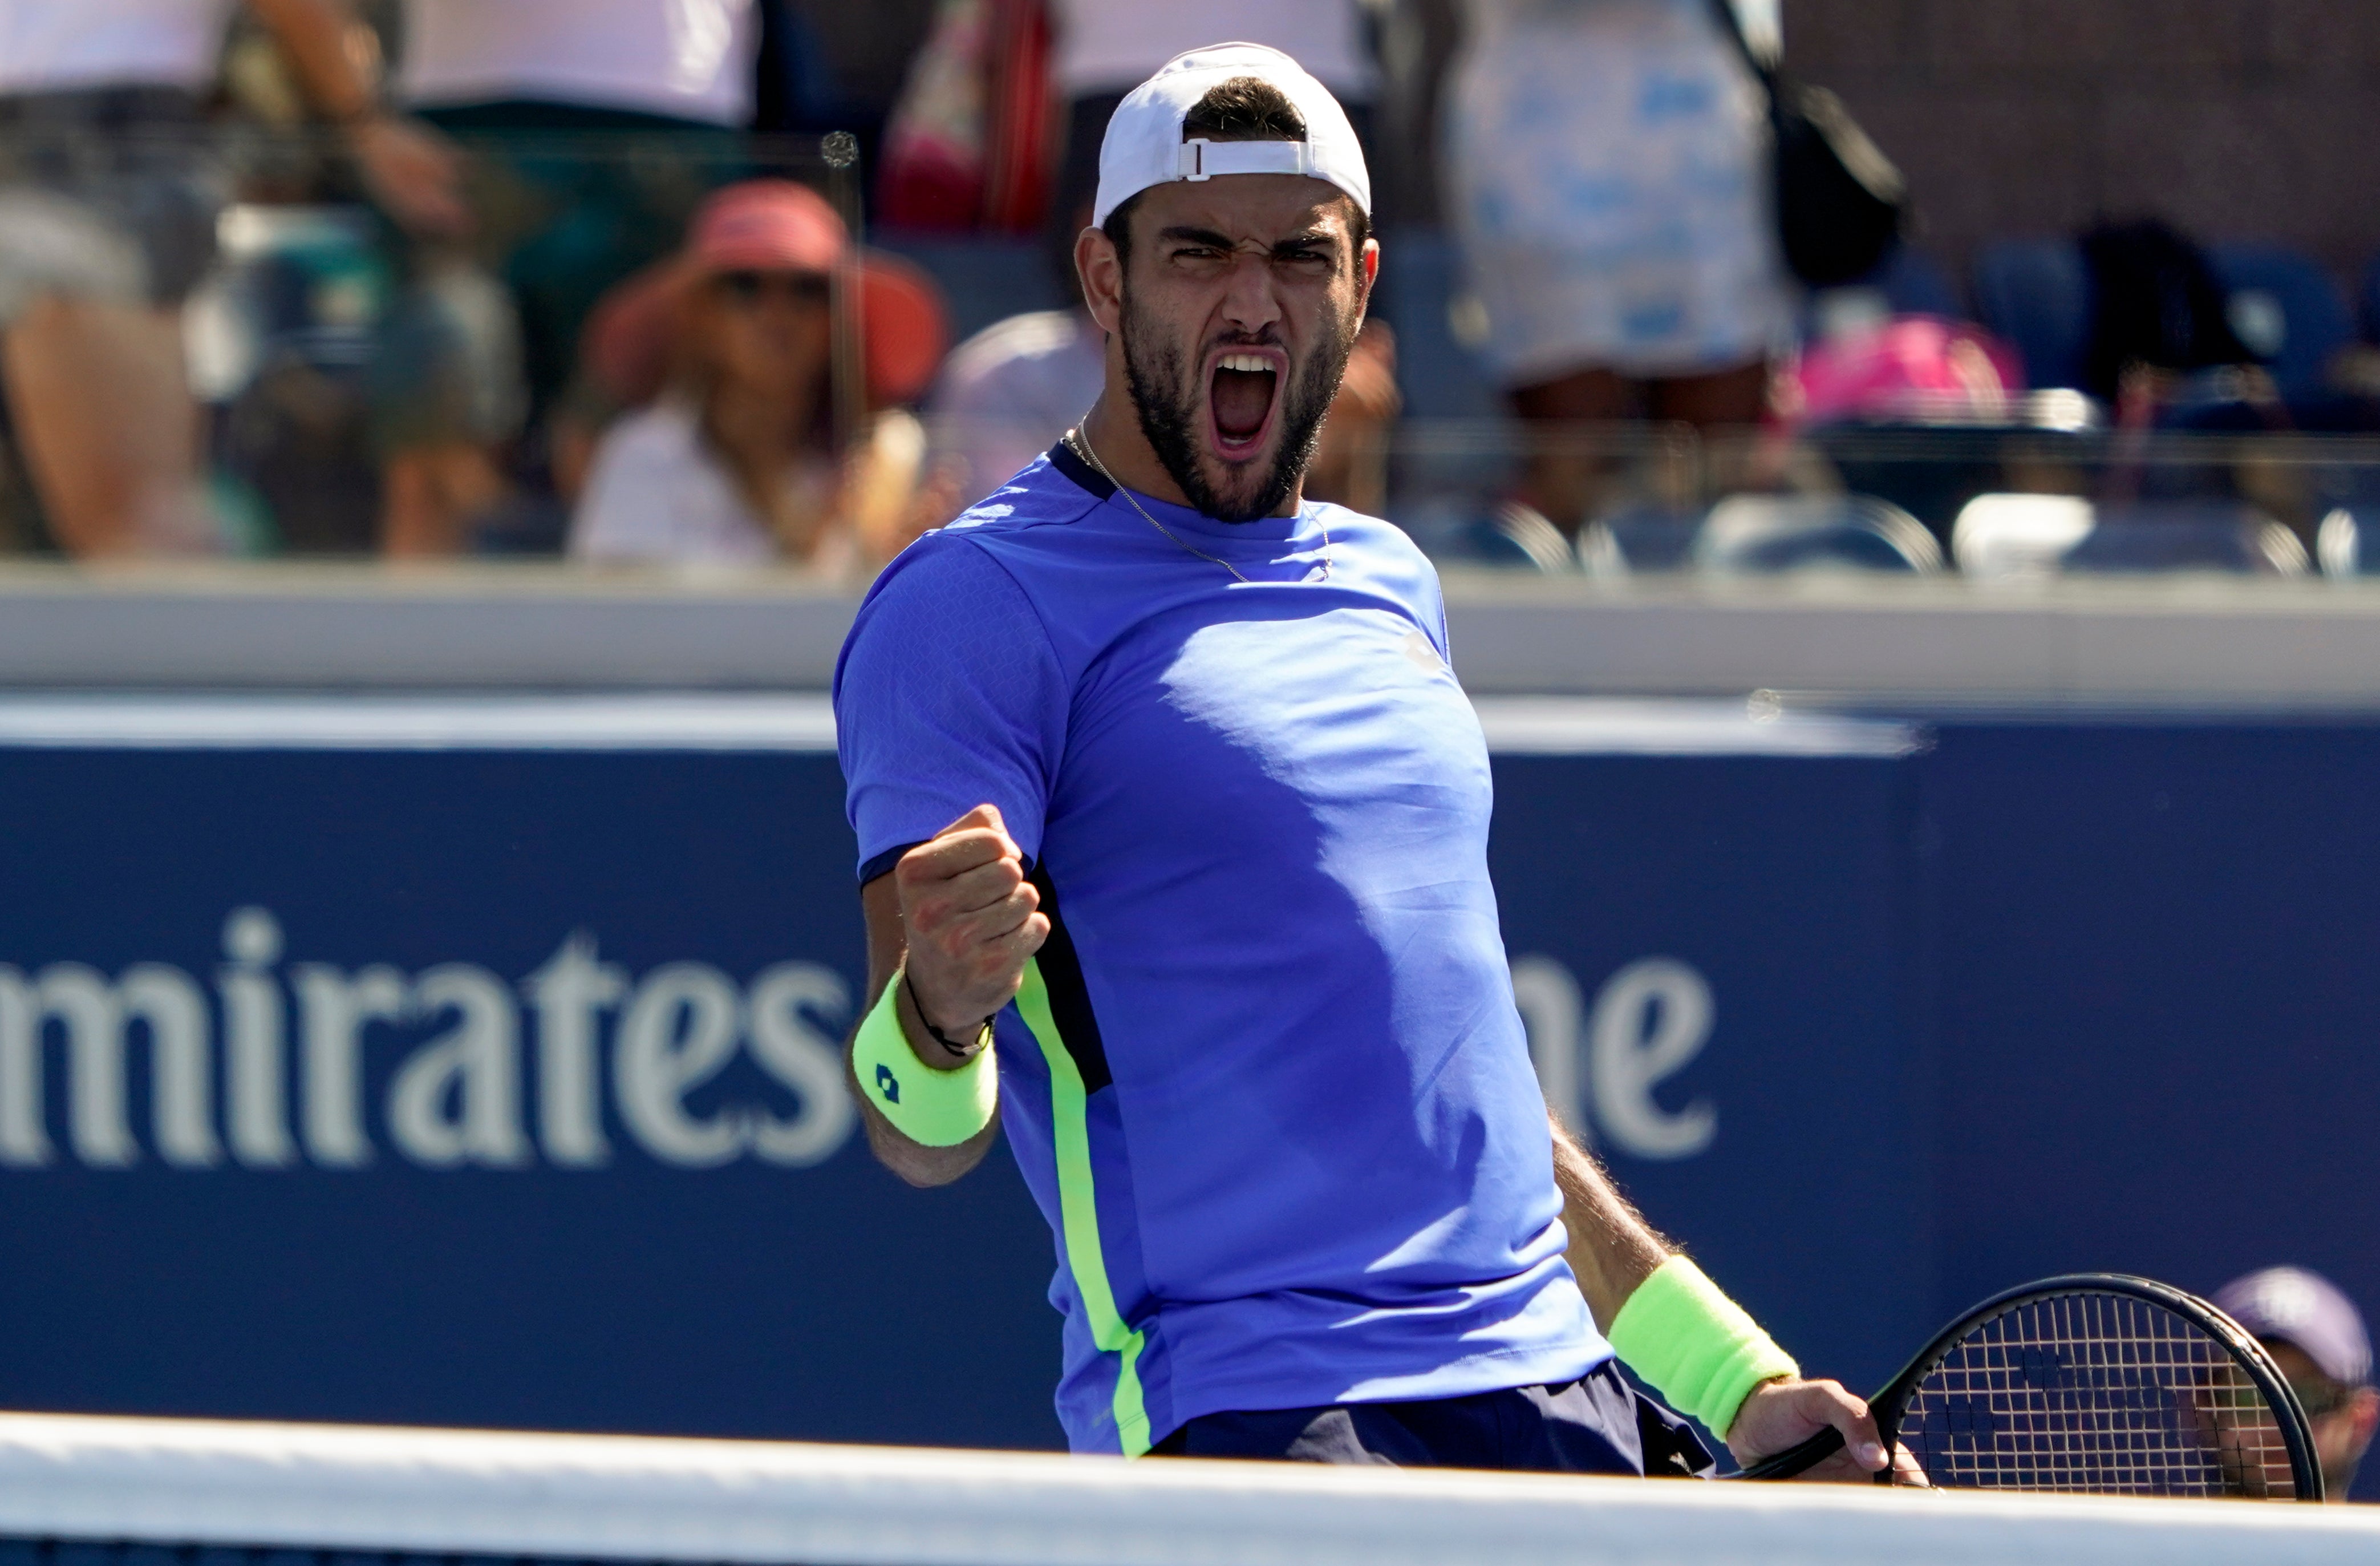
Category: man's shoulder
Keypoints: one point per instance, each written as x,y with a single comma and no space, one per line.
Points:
1376,543
947,610
1040,495
986,554
1364,529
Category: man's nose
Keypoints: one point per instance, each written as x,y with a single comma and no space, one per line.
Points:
1252,299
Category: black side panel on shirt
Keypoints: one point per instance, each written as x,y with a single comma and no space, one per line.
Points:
1062,457
1070,1002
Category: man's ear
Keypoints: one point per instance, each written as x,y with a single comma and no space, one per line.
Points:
1100,270
1367,272
2365,1406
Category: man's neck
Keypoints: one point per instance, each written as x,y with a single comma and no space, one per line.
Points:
1112,430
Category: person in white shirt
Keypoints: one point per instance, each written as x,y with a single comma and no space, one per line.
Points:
597,127
1007,393
108,196
688,60
1607,163
737,462
1112,45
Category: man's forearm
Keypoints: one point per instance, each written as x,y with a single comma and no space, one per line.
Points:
913,1161
1612,1249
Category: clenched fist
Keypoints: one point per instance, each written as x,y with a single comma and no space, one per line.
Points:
970,920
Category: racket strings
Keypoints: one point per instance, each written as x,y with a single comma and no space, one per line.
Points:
2102,1393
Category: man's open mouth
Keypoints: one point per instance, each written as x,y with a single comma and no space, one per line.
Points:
1241,393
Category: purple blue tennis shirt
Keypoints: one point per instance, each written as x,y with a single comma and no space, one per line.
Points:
1266,1079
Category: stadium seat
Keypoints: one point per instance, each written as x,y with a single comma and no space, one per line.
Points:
2022,535
2005,535
1766,534
2339,546
2286,309
2036,295
2187,535
1511,537
1916,284
1652,538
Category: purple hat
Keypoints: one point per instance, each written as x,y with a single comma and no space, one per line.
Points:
2307,1310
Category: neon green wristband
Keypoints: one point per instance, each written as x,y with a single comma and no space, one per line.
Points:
1697,1346
930,1107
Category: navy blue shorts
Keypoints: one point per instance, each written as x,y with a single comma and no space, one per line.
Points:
1596,1424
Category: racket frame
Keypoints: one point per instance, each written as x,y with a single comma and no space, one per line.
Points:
1889,1404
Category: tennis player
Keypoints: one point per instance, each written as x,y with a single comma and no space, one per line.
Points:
1173,851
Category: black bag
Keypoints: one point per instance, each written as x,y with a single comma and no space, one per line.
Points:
2155,301
1839,199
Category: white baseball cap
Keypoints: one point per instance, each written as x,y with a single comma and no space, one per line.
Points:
1144,145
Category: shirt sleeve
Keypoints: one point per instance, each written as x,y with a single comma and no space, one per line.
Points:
1429,594
948,695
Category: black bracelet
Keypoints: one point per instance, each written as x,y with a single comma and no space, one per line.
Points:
928,1023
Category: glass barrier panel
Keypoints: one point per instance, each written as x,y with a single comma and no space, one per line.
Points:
494,341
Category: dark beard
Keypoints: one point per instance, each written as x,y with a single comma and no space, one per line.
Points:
1167,400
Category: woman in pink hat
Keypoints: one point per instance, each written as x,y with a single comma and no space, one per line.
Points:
735,460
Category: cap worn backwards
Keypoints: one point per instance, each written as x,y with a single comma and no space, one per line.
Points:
1143,145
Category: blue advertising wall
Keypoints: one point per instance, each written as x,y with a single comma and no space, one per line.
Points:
1726,942
461,1249
489,1087
2157,1003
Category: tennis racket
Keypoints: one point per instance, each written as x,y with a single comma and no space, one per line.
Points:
2098,1384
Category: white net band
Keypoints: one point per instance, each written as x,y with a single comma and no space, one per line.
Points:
341,1490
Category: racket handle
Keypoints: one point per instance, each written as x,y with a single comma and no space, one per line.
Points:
1797,1460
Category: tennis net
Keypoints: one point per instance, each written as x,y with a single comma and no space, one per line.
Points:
78,1491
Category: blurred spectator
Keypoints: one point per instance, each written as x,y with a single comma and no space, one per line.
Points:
1350,464
1607,165
599,126
967,145
107,209
737,462
1008,393
2317,1336
2158,324
1904,370
1105,48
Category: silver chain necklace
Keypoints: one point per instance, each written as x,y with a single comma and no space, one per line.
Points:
1080,440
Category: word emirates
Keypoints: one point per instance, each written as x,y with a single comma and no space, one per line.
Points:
285,1056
